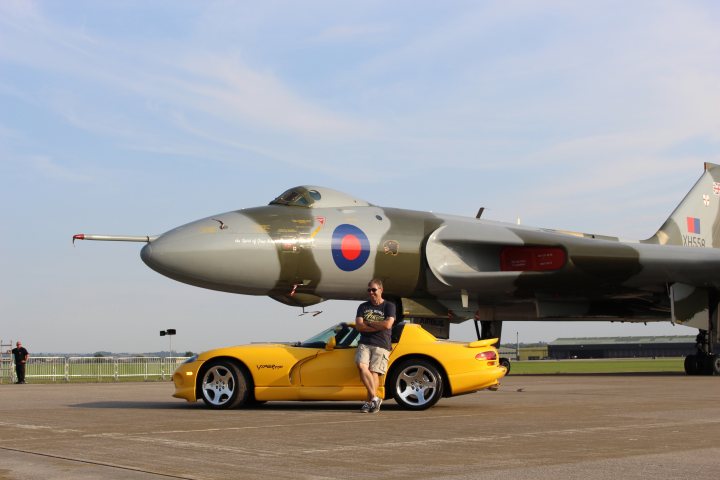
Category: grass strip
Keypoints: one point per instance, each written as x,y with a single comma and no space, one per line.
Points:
620,365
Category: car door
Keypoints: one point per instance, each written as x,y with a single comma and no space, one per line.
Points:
332,373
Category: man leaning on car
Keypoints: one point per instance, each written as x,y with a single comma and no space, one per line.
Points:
374,321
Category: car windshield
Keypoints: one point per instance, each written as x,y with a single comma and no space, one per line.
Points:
345,337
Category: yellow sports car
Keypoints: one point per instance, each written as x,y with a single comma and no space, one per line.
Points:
421,370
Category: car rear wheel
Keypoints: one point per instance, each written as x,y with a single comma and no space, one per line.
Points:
505,362
224,385
416,384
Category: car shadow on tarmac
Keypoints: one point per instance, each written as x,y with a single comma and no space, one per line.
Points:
133,405
271,406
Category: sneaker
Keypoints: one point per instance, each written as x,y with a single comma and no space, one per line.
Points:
375,407
366,407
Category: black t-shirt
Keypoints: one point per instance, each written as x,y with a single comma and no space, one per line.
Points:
20,354
371,313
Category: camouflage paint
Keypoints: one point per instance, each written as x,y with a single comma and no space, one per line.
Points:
445,263
400,265
293,237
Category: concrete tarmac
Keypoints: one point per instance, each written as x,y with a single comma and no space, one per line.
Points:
534,427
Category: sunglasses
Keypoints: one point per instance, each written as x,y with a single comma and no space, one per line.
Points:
373,290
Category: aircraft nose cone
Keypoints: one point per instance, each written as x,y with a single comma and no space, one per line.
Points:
236,259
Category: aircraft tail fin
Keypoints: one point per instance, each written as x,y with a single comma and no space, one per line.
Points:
696,221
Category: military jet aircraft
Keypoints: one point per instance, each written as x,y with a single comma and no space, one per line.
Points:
313,243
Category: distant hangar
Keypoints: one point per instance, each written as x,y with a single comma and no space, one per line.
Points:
604,347
621,347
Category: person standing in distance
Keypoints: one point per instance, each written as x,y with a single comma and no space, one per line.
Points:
374,321
21,357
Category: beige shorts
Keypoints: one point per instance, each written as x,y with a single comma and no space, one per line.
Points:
375,357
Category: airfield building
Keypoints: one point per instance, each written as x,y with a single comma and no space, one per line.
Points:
622,347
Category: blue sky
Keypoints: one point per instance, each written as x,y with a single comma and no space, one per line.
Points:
135,117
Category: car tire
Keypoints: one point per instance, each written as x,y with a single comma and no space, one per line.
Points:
505,362
416,384
223,385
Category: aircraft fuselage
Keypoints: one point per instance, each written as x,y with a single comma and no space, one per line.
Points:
435,265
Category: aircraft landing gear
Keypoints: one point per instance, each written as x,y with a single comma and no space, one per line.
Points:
704,362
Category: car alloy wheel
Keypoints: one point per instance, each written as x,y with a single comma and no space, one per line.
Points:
416,384
223,385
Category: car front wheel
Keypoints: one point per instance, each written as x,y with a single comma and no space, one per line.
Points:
224,385
416,384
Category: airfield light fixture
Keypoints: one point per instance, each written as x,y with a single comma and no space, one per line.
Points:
169,332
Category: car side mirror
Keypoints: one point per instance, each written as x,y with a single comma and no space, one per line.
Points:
330,345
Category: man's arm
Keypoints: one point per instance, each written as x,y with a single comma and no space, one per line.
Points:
385,324
362,326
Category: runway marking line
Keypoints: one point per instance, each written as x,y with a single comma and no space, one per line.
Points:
95,463
256,427
26,426
145,437
484,438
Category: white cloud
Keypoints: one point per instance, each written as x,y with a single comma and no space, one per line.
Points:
221,86
227,88
49,168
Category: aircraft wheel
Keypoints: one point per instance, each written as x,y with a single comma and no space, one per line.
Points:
692,366
505,362
715,365
416,384
705,364
224,385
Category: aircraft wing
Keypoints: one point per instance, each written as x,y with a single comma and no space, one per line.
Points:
525,274
469,256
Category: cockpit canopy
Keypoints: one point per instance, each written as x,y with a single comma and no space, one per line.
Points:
309,196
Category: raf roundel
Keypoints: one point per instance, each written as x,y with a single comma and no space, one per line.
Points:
350,247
